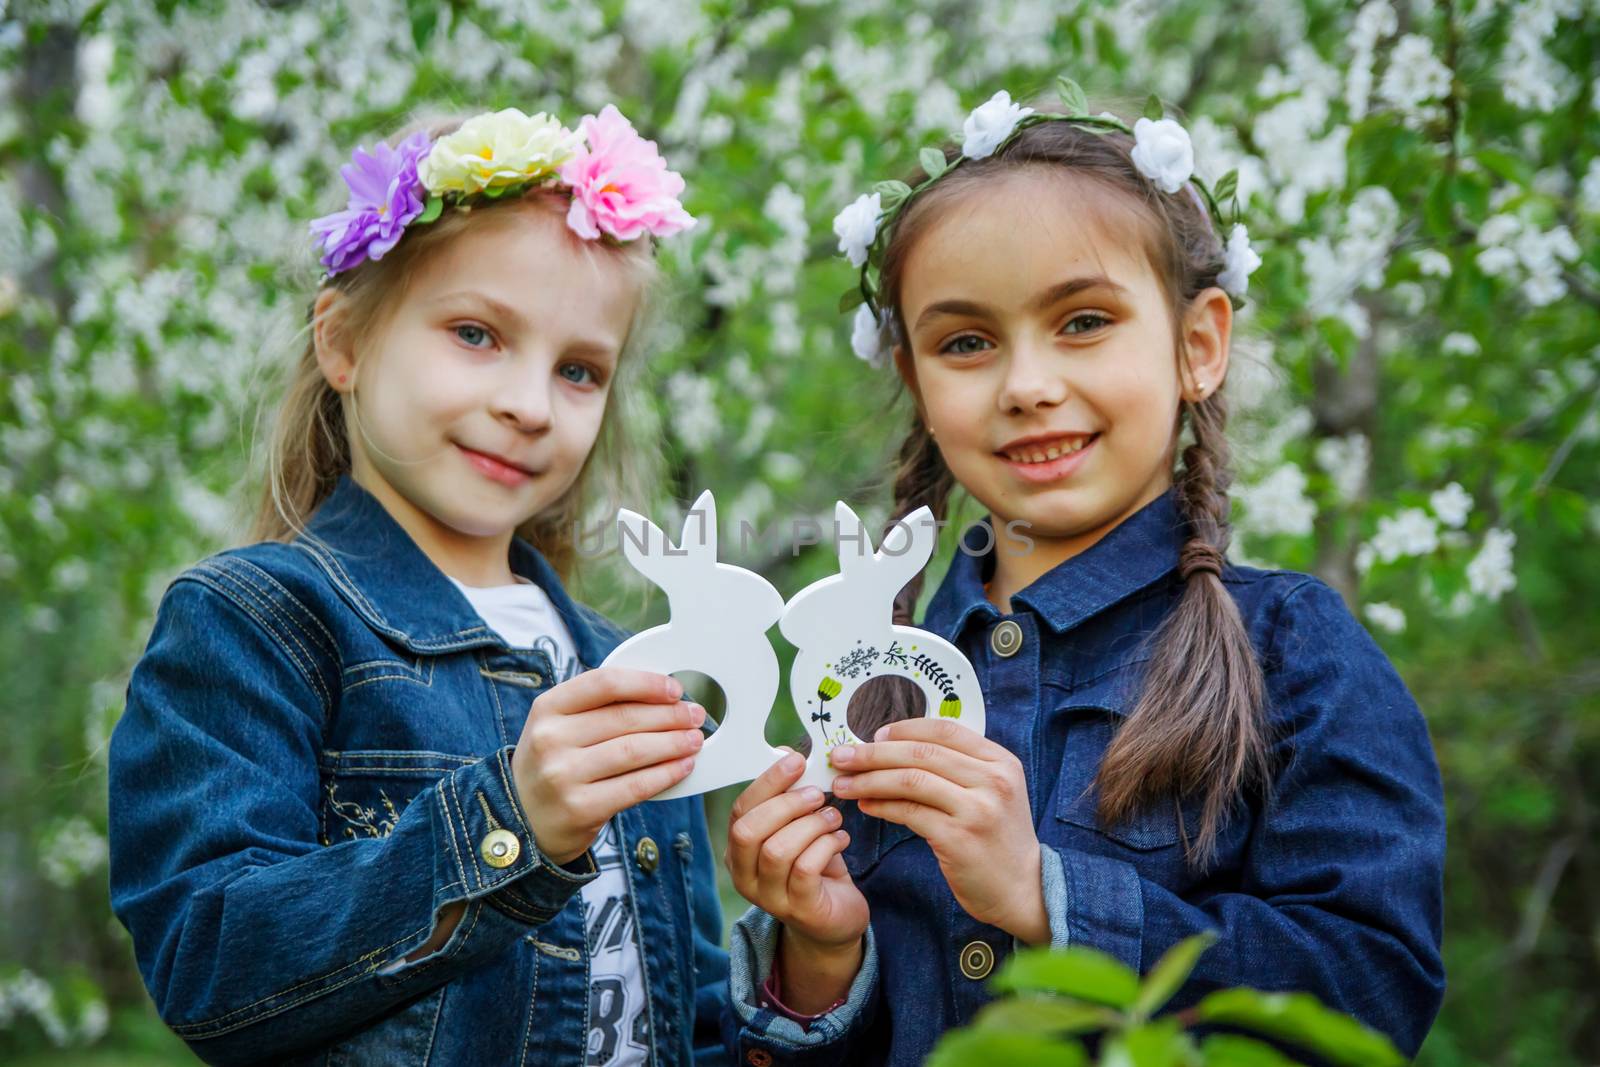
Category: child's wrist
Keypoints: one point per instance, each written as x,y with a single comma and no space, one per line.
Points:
816,974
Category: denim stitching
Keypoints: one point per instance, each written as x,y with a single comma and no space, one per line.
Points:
284,632
266,627
450,835
271,595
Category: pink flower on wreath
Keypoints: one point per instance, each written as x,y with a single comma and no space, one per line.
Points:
620,184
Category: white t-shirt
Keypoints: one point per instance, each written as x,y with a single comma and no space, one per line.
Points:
524,616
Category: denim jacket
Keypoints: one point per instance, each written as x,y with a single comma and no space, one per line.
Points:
1333,886
313,759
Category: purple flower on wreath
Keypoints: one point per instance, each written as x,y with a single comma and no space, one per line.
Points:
385,196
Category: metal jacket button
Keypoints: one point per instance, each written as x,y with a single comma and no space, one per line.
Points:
500,848
977,960
647,855
1006,638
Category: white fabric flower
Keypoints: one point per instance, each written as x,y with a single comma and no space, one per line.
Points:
500,148
1163,153
857,226
990,123
1241,260
869,335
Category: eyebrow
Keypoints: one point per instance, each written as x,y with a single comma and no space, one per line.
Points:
1052,295
501,308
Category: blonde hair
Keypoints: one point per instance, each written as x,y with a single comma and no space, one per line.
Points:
309,448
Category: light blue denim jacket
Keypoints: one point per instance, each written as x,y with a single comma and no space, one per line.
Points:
315,748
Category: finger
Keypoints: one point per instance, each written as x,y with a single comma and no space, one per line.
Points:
618,720
630,752
610,685
805,877
611,795
748,834
769,783
776,857
945,732
927,823
836,867
947,762
904,783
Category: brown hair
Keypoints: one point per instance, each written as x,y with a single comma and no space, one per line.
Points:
1198,729
309,444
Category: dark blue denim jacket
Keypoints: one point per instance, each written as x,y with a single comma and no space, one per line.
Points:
1334,887
315,746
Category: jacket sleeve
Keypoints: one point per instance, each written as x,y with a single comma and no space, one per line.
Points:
710,958
754,1034
1342,892
253,938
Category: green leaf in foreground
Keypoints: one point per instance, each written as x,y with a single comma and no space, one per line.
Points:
1170,972
1159,1044
1231,1050
1045,1015
992,1048
1073,972
1301,1020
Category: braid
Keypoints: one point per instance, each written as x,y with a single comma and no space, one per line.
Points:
1198,727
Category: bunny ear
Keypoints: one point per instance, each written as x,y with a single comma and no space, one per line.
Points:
642,541
699,536
855,547
909,543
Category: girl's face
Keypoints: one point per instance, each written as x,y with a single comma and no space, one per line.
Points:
479,399
1041,352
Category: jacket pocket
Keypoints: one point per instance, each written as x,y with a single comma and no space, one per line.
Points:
364,792
1093,712
870,839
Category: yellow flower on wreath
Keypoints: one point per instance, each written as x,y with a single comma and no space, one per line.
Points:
497,150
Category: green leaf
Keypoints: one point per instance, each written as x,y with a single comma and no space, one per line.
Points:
1302,1020
1072,96
1082,973
1158,1044
424,19
1231,1050
1227,185
1506,165
1437,208
430,210
1153,109
1045,1015
891,193
852,299
1340,338
933,163
1170,972
985,1048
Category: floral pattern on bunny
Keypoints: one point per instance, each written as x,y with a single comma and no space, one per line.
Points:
843,626
720,615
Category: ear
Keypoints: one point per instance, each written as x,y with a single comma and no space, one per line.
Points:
334,354
1207,337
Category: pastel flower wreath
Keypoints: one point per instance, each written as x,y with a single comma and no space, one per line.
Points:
1162,153
620,186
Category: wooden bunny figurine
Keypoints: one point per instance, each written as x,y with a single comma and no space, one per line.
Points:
843,627
720,617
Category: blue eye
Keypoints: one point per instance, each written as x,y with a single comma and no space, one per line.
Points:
466,328
965,345
1093,320
580,368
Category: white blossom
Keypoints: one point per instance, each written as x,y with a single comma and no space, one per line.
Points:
990,123
1385,617
1459,344
1432,263
1412,532
1415,76
1241,260
1278,503
1452,504
857,227
694,405
1346,460
1489,574
1163,153
869,335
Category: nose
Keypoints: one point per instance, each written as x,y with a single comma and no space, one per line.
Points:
521,398
1035,378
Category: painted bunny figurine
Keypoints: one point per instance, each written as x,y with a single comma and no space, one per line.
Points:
844,630
720,617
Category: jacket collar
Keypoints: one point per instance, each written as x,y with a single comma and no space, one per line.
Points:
393,585
1141,550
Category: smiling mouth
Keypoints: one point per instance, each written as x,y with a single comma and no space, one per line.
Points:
1044,453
